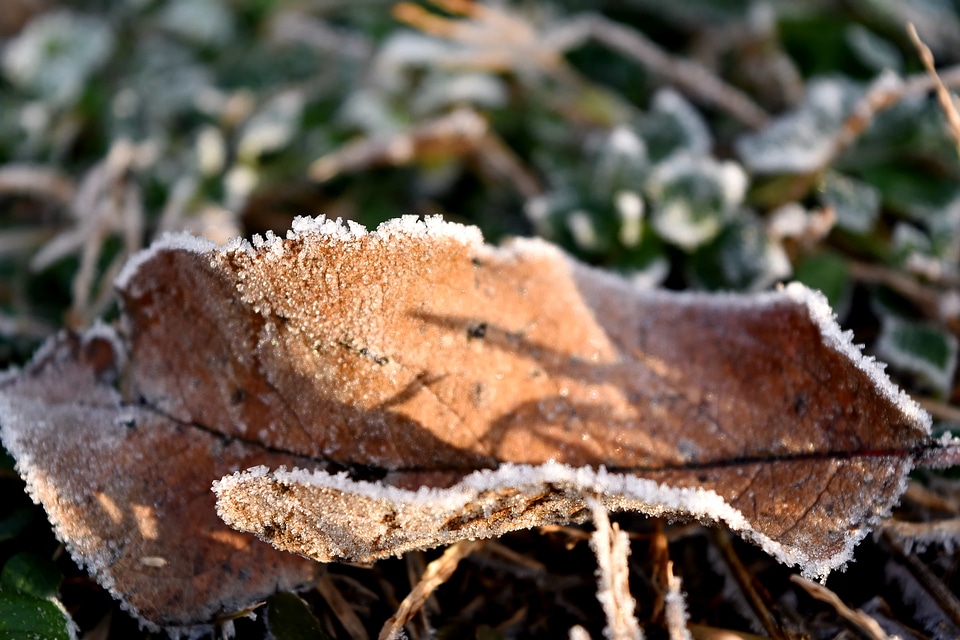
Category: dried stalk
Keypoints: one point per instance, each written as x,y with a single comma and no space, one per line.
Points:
437,572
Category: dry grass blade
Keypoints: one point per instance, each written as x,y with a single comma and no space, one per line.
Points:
612,547
863,622
704,632
745,581
341,608
438,572
38,181
943,95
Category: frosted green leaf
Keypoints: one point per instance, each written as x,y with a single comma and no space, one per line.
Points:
692,197
24,616
742,258
672,126
922,349
56,53
206,22
877,53
443,90
907,240
856,203
801,140
168,84
272,128
620,163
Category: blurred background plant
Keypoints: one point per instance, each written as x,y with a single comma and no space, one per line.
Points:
712,144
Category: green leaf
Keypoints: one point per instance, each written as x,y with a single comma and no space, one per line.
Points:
856,203
876,53
828,273
801,140
13,524
673,125
692,197
919,348
31,574
24,616
742,258
288,617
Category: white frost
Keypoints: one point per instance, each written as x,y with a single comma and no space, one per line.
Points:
842,341
167,242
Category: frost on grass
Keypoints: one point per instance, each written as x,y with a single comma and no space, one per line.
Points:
431,388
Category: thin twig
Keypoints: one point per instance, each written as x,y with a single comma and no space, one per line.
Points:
341,608
437,572
925,532
745,581
943,95
944,598
858,618
940,410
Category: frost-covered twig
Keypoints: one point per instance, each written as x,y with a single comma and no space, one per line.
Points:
612,547
460,132
107,202
936,592
676,608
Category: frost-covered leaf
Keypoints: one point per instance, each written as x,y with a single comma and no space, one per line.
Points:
412,387
206,22
273,127
879,54
919,348
673,125
620,163
691,197
856,203
25,616
56,53
127,488
741,258
801,140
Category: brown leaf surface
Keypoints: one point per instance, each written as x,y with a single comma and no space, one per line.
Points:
128,490
412,357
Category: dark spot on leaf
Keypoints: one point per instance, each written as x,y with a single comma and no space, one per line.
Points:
800,404
477,330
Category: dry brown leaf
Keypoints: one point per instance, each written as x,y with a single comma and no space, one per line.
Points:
413,387
128,489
